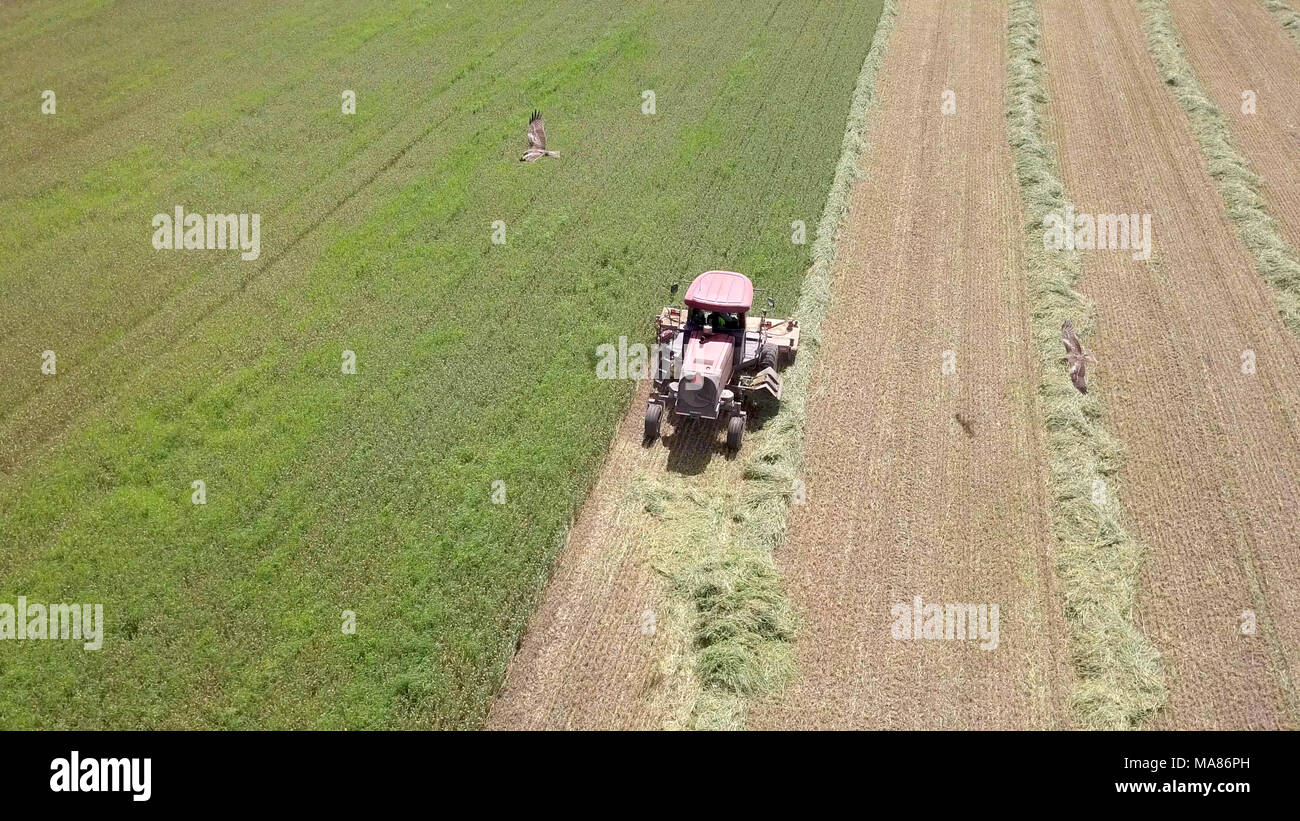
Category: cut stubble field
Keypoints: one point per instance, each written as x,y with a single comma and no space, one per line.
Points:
1213,452
1250,68
905,500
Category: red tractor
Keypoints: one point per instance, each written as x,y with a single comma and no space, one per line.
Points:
713,360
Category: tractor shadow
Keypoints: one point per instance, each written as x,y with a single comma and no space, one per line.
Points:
693,443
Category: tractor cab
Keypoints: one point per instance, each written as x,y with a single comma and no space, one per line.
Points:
719,300
697,319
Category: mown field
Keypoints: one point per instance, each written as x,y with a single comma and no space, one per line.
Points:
475,362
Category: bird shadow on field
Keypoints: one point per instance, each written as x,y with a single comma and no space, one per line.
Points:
967,424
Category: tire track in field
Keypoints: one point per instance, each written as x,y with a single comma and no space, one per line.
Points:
1213,454
901,500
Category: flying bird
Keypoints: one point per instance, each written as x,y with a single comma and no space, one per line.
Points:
537,141
1076,355
966,424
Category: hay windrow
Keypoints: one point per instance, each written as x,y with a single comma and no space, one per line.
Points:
744,627
1120,680
1287,16
1275,260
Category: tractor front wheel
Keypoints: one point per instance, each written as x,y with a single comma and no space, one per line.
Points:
654,415
735,432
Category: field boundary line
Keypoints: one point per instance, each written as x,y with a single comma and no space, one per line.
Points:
744,629
1239,186
1286,16
1120,677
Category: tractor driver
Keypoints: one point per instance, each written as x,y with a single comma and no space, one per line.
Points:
720,321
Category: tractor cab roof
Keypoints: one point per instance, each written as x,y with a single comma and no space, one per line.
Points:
725,291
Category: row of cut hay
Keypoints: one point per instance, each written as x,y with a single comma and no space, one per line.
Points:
1286,15
744,627
1275,260
1120,681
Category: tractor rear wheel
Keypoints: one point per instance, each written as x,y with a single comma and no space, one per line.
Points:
654,415
767,357
735,432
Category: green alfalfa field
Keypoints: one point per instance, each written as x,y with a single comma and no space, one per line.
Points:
475,362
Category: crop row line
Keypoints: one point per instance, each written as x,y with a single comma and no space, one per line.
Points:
1275,260
1286,15
1120,678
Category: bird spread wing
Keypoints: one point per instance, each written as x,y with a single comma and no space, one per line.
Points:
536,132
1072,346
1076,356
1077,374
